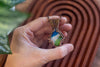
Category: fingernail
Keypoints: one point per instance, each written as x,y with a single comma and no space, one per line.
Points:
67,48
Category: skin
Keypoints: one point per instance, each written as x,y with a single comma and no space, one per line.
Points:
24,8
27,39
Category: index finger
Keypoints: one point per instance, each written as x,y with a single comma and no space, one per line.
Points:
37,23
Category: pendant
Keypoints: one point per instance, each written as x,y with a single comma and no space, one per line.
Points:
57,36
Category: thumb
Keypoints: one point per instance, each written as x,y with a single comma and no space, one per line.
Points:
57,53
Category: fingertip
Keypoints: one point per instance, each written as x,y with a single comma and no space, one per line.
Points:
66,49
64,19
71,47
66,27
69,26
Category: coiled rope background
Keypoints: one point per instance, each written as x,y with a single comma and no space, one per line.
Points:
84,15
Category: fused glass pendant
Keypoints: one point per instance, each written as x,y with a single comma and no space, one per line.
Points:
56,36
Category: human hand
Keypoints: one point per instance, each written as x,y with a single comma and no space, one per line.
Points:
27,39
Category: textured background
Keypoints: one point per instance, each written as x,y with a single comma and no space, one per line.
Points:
25,6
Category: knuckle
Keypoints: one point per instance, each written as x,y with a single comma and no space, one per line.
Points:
18,30
59,53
